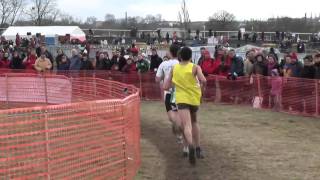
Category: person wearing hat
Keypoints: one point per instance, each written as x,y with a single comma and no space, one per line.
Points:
43,64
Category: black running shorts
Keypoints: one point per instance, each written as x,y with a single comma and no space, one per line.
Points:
193,109
169,105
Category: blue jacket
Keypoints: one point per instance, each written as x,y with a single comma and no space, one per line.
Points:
75,63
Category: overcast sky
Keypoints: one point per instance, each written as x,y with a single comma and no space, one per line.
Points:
199,10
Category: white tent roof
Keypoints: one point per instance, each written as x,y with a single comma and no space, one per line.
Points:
48,31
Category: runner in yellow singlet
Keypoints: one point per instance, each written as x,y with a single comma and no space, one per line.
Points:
189,83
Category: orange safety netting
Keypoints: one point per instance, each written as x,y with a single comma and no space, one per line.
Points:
291,95
79,127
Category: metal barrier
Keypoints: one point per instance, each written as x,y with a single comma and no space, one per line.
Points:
80,127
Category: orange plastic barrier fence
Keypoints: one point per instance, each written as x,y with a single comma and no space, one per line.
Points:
290,95
80,128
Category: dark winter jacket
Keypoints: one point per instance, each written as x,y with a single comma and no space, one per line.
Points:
237,66
16,63
155,62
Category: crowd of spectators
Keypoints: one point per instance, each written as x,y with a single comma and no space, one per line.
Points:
227,63
41,60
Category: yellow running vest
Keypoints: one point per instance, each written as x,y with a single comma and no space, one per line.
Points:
187,87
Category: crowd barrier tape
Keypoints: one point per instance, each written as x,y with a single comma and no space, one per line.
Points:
94,133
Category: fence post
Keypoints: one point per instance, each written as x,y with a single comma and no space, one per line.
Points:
259,90
47,144
140,84
45,88
125,172
7,91
317,97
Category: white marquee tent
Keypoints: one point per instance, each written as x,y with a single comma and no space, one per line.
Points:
48,31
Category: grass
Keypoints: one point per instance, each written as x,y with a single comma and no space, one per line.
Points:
239,143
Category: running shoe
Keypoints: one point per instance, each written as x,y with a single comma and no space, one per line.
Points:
185,152
192,155
199,153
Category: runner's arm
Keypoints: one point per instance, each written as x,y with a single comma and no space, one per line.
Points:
160,74
168,82
201,78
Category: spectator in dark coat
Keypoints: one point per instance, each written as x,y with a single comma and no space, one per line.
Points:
16,62
301,47
64,63
103,62
59,57
259,66
308,71
317,66
155,61
86,64
75,61
237,66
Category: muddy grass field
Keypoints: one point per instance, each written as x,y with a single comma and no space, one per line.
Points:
239,143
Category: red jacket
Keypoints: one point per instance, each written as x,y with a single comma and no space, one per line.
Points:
207,66
4,64
31,60
222,67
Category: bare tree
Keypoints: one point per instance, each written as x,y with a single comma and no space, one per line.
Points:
91,21
110,18
183,16
17,8
41,10
222,20
9,10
